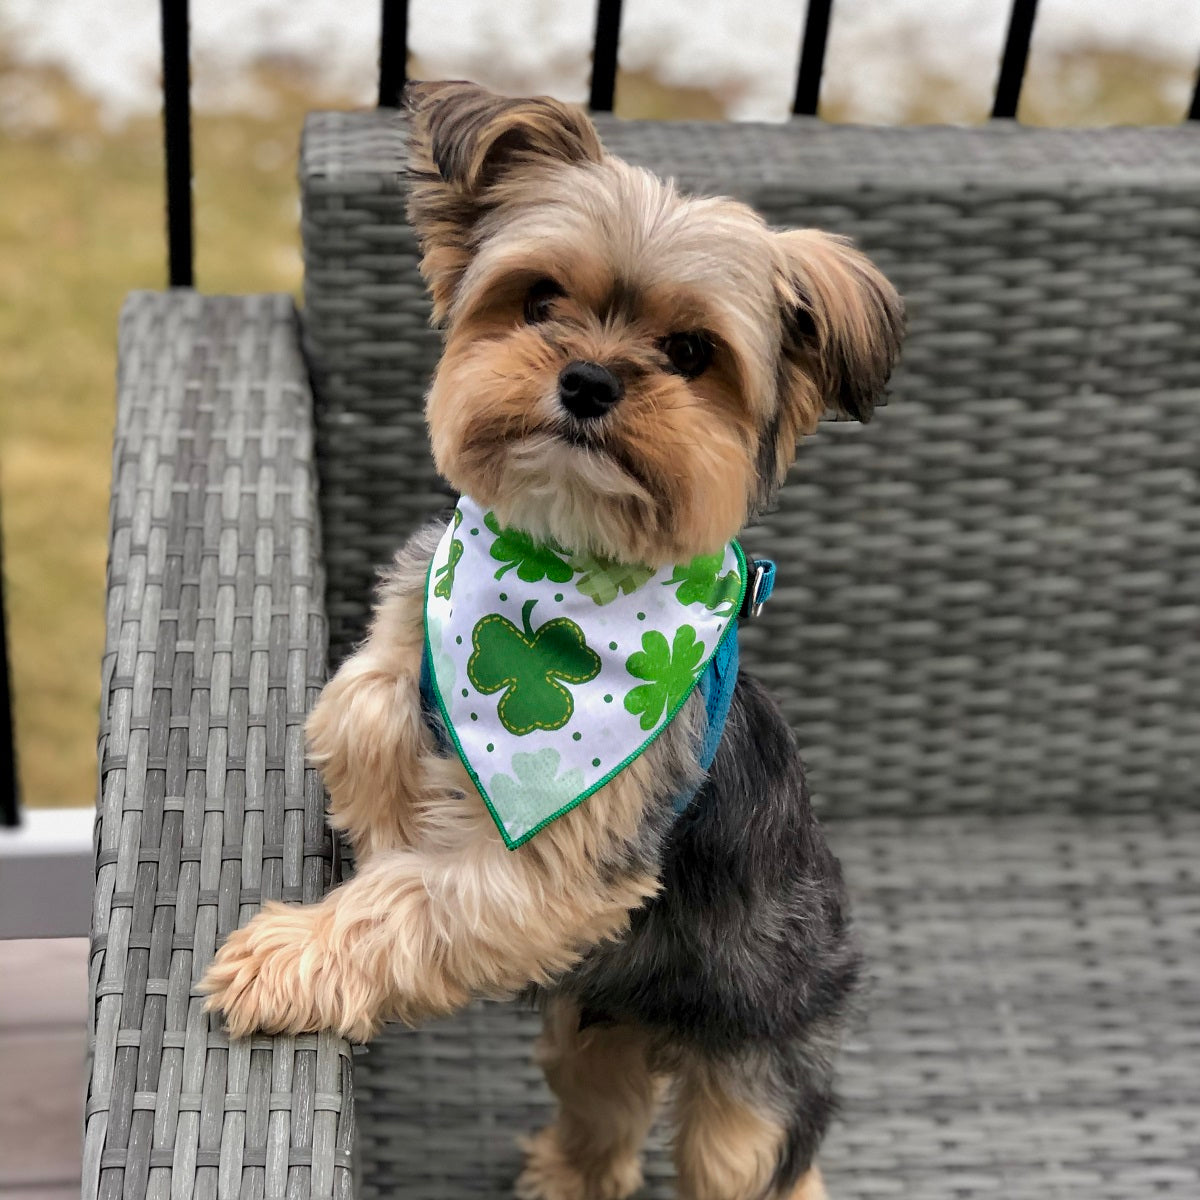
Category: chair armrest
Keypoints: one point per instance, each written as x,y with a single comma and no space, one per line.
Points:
216,648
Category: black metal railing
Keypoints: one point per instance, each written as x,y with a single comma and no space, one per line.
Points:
1014,59
393,73
393,52
9,813
812,58
177,140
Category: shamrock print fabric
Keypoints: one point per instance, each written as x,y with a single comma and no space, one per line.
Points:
555,670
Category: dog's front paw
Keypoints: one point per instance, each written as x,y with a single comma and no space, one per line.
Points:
550,1175
278,974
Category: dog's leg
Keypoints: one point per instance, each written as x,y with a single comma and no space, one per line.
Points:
607,1097
734,1144
416,933
366,732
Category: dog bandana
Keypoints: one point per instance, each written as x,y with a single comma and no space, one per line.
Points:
553,671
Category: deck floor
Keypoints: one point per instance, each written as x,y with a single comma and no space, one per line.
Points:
43,1043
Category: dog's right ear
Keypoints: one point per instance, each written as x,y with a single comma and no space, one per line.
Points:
465,146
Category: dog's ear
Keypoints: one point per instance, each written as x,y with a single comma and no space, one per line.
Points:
842,323
467,146
842,326
473,136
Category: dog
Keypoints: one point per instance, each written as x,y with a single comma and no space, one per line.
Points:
627,372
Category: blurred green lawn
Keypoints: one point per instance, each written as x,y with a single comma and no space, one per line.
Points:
81,223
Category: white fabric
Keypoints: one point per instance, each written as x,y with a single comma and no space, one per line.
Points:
553,671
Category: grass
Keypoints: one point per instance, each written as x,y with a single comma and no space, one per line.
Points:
81,223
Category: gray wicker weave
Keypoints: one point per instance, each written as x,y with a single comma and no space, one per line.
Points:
216,649
985,633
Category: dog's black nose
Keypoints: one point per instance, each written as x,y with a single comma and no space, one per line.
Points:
587,389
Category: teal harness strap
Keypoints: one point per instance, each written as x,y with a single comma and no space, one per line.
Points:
720,677
716,684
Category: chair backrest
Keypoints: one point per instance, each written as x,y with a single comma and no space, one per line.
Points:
989,598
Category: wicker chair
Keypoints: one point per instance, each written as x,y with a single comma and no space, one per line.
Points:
985,633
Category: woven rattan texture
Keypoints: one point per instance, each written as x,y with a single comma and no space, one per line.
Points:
988,597
216,647
1030,1032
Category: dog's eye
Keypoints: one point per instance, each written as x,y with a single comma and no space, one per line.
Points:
539,298
690,353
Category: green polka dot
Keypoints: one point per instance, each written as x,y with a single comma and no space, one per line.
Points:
459,639
612,645
503,595
474,716
595,762
641,616
576,736
474,532
558,597
490,747
608,698
465,692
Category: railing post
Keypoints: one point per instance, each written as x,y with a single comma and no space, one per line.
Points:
812,58
1016,55
604,55
9,811
393,52
177,140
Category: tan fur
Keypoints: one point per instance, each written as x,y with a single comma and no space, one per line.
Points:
440,910
365,733
607,1097
726,1147
419,931
811,1187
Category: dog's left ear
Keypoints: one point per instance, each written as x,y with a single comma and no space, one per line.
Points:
842,326
469,149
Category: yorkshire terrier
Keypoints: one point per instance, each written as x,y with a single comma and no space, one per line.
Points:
627,372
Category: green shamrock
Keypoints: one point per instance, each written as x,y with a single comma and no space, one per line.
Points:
529,667
669,671
445,574
532,560
701,582
537,791
604,579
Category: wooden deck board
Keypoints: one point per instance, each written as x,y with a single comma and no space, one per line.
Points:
43,1043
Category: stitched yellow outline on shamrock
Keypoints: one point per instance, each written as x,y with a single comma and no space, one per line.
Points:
529,666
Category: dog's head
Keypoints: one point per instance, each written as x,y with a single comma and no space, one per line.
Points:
627,370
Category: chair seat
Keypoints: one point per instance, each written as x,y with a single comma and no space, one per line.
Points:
1029,1028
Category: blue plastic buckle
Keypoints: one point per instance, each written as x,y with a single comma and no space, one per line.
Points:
762,584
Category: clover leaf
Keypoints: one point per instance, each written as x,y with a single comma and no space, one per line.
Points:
531,668
445,573
603,579
669,671
538,789
533,560
701,582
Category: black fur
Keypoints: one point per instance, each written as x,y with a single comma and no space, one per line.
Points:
745,958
